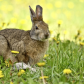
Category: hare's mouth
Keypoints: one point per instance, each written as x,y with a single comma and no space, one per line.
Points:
40,37
44,38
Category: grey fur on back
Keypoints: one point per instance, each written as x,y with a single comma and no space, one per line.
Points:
30,50
12,35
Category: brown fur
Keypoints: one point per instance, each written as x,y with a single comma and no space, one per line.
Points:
31,45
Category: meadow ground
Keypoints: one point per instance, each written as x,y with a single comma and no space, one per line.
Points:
61,56
64,60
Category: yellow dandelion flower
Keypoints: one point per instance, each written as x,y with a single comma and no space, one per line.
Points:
51,32
54,39
65,32
58,4
41,64
82,43
23,21
67,71
70,5
3,8
11,82
80,38
59,21
57,42
49,6
21,72
79,31
81,1
45,55
76,36
1,74
4,24
15,52
43,77
13,20
6,63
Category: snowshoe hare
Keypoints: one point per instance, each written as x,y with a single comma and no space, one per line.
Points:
31,44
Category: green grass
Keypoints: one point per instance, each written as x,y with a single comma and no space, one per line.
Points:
65,55
68,54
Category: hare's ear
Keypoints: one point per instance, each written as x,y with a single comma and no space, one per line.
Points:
39,12
32,13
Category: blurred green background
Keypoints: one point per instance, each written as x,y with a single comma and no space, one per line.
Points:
68,13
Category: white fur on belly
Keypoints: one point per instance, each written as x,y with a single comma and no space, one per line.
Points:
22,65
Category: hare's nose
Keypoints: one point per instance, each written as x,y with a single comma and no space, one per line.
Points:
46,35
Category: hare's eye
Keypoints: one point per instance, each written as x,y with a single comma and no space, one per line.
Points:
36,27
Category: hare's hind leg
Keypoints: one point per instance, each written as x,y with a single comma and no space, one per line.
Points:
5,50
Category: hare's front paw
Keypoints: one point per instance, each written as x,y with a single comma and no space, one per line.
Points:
22,65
